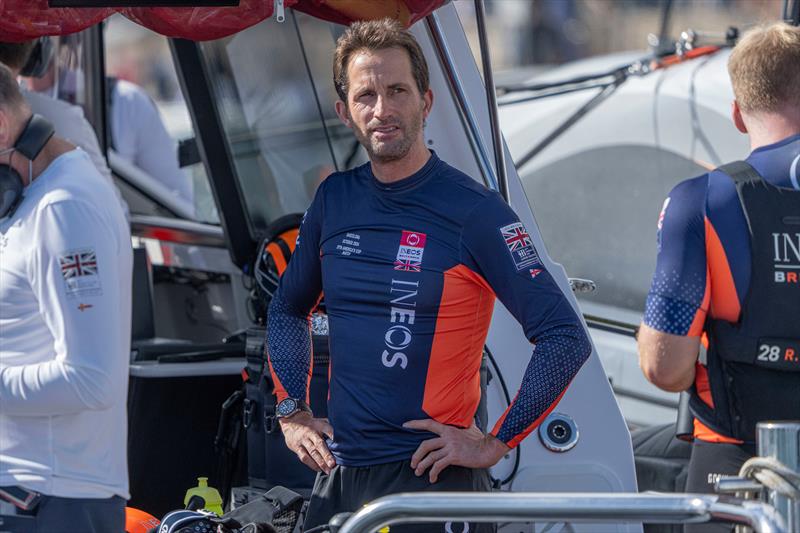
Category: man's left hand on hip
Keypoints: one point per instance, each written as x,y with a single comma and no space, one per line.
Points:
468,447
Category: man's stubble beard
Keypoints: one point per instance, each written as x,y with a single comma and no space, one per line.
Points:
396,150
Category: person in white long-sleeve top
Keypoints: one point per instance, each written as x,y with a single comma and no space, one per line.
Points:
139,136
65,305
69,121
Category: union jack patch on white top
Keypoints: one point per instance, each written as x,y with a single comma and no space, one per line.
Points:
519,245
78,263
80,271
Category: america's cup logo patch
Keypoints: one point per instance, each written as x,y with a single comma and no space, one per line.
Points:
79,269
519,245
409,253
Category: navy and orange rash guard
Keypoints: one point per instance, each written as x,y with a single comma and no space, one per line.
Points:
410,272
703,265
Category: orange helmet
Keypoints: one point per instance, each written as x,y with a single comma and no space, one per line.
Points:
137,521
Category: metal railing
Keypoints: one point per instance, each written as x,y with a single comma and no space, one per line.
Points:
562,507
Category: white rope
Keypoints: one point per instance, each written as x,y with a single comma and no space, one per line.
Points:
774,475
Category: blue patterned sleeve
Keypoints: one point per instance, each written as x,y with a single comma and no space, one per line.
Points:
289,349
558,354
497,246
288,323
676,302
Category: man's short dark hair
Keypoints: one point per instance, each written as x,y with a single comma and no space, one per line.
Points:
377,35
15,55
11,98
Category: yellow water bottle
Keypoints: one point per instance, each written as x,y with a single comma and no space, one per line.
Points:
210,495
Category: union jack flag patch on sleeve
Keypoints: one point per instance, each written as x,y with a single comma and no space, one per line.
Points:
519,245
79,269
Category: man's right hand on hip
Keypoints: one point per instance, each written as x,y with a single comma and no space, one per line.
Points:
304,435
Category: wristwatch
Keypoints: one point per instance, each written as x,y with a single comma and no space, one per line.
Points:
289,406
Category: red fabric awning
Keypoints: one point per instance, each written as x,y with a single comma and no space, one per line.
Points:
22,20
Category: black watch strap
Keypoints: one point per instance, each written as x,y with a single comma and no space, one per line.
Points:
290,406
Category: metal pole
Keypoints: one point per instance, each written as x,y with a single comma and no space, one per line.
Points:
791,12
460,95
93,58
563,507
595,101
781,441
491,101
663,32
794,13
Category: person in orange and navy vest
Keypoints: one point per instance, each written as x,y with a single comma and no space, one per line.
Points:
721,318
411,254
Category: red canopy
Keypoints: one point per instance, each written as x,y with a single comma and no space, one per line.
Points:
22,20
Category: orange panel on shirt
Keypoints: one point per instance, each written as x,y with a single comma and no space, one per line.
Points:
702,431
513,443
724,300
452,386
706,434
279,389
724,305
702,386
699,322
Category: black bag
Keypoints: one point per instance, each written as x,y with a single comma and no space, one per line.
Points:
277,511
269,462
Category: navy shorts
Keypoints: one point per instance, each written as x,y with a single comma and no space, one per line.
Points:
348,489
67,515
710,460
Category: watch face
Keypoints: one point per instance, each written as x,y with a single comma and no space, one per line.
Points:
287,407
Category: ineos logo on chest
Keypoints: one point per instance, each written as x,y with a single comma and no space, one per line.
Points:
403,300
410,251
787,257
398,337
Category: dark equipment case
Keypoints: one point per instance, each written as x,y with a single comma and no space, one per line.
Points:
269,461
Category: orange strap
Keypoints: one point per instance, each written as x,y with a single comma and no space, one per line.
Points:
277,255
289,238
690,54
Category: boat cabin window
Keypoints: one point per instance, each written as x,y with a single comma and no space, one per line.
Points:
597,211
151,139
275,97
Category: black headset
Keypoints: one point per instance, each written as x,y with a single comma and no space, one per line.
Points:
40,58
29,143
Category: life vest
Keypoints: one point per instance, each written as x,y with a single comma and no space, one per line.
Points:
754,365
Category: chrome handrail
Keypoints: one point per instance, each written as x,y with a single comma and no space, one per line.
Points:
562,507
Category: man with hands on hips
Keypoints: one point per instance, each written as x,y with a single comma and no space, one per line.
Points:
411,254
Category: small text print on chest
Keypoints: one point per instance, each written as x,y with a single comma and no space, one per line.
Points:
351,244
